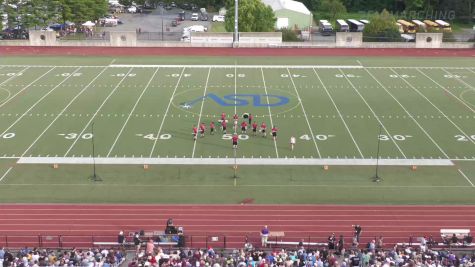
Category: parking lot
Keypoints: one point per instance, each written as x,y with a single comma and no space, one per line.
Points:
156,24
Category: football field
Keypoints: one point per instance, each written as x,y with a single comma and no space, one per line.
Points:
142,113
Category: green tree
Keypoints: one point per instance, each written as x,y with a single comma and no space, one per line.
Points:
382,28
333,8
414,4
254,16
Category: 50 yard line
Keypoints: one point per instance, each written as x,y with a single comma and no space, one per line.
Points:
304,113
270,113
201,111
166,112
97,111
131,112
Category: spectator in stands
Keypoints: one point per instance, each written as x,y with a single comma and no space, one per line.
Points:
380,242
454,240
121,238
264,236
137,242
2,254
341,245
248,246
150,247
331,241
467,241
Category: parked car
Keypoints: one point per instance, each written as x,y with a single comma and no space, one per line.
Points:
132,9
218,18
195,17
173,4
181,16
168,7
186,6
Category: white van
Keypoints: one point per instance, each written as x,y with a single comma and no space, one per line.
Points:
325,27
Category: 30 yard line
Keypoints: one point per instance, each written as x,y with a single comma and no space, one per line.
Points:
466,178
62,111
407,112
443,88
201,111
131,112
441,112
374,113
268,107
97,111
339,113
166,112
38,101
304,113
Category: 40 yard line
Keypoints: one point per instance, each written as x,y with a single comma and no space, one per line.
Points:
201,111
268,107
131,112
305,114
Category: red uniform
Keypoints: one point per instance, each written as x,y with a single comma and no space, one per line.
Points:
235,140
244,126
195,132
202,129
212,127
223,125
250,118
223,116
263,129
274,132
235,117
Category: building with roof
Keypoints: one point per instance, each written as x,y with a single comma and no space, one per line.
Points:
290,14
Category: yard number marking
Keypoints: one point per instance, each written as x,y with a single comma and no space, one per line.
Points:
286,75
405,76
71,136
8,135
463,138
397,137
230,136
319,137
152,137
11,74
239,75
66,74
124,75
347,76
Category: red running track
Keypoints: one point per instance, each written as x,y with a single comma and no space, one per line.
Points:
80,225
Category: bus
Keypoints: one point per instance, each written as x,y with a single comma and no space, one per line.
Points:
407,26
342,26
431,25
444,26
325,27
421,26
355,26
399,27
364,21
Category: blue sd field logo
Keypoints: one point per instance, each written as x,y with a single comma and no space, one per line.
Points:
240,100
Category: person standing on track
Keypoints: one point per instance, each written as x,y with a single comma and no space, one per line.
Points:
357,232
235,141
264,236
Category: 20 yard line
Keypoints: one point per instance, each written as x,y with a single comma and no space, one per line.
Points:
166,112
374,113
438,109
339,113
97,111
268,107
304,113
62,111
409,114
131,112
466,178
443,88
38,101
201,111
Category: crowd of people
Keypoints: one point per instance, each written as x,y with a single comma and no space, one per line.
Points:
76,257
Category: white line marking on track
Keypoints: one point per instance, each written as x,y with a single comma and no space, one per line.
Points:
5,174
374,113
305,114
339,113
465,176
61,112
407,112
268,108
201,111
166,112
97,111
132,111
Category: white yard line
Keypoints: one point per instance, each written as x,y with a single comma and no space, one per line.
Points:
408,113
304,113
466,178
38,101
240,66
440,111
339,113
374,113
97,111
166,112
15,76
201,111
235,92
468,70
268,108
460,80
62,111
131,112
5,174
443,88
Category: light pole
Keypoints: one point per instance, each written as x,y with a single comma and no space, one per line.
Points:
236,14
162,20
